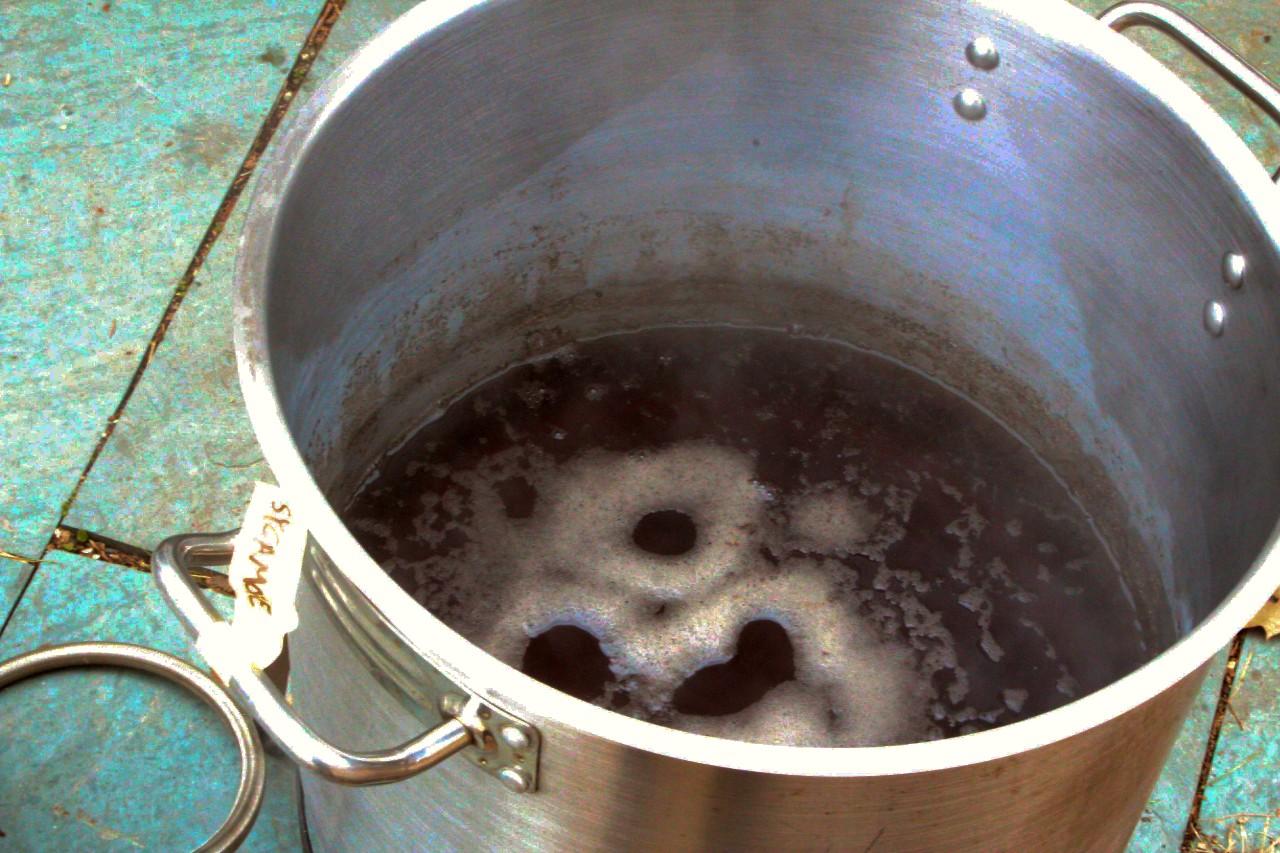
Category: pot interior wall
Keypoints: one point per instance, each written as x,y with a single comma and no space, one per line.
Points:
530,173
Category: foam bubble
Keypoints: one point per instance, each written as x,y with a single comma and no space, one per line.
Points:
1015,698
830,521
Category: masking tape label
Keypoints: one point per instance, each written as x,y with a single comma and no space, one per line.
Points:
220,647
264,572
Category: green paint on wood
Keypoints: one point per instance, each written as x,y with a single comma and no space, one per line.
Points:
122,123
1164,820
108,759
184,451
1241,808
13,577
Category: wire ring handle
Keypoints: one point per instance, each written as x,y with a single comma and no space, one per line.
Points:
248,799
1231,66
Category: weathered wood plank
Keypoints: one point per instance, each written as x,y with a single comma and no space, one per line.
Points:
184,452
1241,807
121,125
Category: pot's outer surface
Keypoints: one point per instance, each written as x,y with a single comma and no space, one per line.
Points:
1070,239
1082,793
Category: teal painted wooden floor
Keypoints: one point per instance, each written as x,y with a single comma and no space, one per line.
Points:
129,130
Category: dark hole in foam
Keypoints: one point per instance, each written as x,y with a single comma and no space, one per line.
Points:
764,660
667,532
569,659
517,495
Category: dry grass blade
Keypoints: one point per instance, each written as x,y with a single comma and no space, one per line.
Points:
1245,832
96,547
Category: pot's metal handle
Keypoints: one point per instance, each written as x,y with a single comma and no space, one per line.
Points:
1234,68
257,695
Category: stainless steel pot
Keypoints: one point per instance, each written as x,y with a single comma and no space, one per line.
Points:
1006,195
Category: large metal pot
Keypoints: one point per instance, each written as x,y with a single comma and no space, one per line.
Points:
1064,232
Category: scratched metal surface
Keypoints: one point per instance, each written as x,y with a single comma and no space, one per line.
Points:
183,456
121,123
105,759
1241,807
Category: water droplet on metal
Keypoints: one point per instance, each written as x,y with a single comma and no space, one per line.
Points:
1215,317
970,104
1234,265
982,53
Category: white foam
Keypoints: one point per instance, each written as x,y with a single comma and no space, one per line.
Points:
862,655
830,521
1015,698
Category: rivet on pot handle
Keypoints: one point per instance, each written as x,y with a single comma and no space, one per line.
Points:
257,695
1229,64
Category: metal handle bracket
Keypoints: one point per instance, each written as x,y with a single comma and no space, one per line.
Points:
251,688
1230,65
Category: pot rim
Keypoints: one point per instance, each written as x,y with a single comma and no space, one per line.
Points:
506,686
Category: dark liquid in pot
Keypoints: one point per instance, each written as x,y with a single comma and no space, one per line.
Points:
754,535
